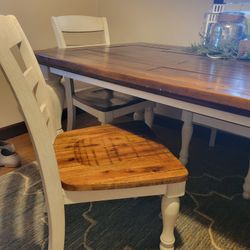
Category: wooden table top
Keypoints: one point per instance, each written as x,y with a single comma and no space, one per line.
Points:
160,69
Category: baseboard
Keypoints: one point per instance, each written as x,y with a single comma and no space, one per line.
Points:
12,130
20,128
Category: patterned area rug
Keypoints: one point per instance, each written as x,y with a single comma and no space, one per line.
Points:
213,214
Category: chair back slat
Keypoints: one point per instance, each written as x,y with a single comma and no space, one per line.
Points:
31,78
45,112
79,24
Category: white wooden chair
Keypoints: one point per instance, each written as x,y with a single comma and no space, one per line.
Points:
97,163
99,102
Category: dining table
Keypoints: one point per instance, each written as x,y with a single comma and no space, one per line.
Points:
215,90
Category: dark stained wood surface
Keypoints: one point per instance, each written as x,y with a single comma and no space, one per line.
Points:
164,70
115,156
105,100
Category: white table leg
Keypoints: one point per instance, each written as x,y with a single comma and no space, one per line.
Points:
246,186
187,131
170,210
56,91
49,77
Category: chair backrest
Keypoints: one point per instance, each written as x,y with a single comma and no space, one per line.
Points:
32,94
79,24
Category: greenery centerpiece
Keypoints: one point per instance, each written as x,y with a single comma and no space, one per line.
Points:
227,38
227,50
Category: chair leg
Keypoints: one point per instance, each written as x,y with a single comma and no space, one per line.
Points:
71,110
246,186
212,137
138,115
106,118
149,116
170,210
56,221
71,118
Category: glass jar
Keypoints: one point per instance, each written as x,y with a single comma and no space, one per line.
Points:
231,27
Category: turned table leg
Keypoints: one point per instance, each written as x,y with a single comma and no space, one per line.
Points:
187,131
246,186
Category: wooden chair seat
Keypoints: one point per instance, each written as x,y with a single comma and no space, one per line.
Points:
105,100
115,156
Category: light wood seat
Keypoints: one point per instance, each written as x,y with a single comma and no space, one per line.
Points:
98,163
102,103
115,156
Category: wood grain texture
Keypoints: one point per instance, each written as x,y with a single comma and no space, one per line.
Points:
115,156
164,70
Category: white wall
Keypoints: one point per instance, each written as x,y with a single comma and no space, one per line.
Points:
34,17
161,21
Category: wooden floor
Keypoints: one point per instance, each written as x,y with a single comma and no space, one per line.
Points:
23,148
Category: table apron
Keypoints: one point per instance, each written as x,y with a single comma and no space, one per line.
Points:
194,108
